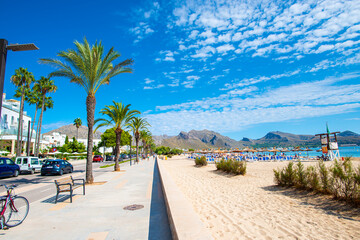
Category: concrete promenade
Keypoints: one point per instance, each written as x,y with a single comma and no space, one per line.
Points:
100,214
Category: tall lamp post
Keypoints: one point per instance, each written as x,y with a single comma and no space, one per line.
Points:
4,47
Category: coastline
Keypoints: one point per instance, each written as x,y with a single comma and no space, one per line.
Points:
252,207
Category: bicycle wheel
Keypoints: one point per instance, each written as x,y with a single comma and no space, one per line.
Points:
16,211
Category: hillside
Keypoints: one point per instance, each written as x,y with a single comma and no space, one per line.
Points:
71,131
200,139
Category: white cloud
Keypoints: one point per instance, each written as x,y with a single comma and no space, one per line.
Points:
225,48
243,107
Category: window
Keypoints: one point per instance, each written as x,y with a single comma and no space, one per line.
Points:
25,161
34,161
12,120
8,161
2,161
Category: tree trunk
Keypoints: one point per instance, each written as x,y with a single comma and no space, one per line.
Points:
117,149
77,134
37,150
36,138
33,124
137,149
18,140
130,148
90,108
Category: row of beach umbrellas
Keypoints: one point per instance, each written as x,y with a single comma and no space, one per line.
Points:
250,150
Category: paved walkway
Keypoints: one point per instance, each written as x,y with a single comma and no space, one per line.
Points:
100,213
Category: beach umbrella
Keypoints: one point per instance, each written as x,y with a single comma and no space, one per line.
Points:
274,150
284,150
307,151
237,150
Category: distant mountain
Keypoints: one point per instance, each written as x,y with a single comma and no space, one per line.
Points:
71,131
348,134
200,139
209,139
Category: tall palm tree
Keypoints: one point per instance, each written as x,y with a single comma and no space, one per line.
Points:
138,124
88,67
77,123
146,137
119,116
49,103
22,79
33,98
43,86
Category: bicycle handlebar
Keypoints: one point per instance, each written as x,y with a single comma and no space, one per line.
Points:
11,186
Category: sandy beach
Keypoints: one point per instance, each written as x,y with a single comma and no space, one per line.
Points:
252,207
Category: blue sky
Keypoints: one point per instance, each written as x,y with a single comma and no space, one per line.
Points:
241,68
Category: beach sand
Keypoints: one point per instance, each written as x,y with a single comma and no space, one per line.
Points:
252,207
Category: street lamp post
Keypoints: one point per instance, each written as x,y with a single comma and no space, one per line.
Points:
4,47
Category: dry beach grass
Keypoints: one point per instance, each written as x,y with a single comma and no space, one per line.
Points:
252,207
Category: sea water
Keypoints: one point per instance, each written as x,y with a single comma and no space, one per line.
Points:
353,151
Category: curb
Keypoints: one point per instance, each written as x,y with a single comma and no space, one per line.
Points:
184,222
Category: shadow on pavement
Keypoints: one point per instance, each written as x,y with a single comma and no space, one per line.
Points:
159,227
61,198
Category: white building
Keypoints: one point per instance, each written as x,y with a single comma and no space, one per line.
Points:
56,139
9,125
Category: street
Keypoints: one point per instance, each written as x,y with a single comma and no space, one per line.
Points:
35,186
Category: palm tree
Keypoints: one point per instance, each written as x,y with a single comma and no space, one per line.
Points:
77,123
43,86
88,67
119,116
138,124
146,137
34,98
22,79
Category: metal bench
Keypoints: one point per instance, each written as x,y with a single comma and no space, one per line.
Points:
68,184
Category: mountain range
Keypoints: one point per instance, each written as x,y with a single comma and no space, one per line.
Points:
209,139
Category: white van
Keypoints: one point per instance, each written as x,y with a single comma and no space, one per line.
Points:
28,164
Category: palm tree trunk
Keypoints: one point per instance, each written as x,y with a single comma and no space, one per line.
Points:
39,124
19,141
90,109
33,124
117,149
36,137
137,149
77,133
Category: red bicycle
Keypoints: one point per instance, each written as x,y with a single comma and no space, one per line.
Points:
14,209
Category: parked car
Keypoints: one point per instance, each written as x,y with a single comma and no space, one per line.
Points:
28,164
56,166
8,168
109,158
98,158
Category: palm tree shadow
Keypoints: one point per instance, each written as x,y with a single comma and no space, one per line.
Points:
159,226
326,203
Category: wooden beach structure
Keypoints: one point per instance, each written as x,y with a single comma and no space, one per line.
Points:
329,145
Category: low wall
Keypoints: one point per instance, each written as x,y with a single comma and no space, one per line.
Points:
184,222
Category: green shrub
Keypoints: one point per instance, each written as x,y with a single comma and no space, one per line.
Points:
200,161
232,166
277,177
324,177
239,167
312,179
220,164
288,175
341,179
300,178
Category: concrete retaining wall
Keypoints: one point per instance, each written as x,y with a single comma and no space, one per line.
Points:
184,222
